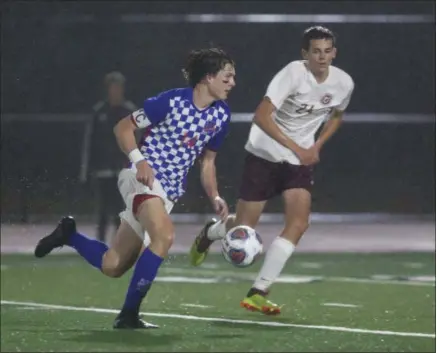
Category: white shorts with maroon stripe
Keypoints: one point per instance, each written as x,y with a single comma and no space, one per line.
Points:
130,187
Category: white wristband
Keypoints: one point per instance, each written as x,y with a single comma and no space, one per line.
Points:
135,156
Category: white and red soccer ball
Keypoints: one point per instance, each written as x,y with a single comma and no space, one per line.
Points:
241,246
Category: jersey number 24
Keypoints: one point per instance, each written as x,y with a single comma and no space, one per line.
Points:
305,108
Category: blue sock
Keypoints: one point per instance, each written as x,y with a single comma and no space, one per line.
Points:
144,273
90,249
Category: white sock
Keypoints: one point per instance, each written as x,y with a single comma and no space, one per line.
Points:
276,257
216,231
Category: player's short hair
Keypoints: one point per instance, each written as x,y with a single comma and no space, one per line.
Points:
204,62
316,32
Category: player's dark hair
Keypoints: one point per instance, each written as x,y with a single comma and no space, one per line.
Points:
204,62
316,32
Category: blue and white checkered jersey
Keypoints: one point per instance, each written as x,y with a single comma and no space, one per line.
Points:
177,133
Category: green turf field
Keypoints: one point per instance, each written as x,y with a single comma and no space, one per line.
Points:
333,302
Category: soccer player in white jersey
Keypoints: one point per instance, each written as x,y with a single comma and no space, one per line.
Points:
281,153
181,125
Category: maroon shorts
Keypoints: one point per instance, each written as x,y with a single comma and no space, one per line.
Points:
263,179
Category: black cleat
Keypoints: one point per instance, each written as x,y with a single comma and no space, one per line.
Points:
58,238
129,321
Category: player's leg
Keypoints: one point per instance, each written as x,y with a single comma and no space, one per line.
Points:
147,212
257,186
125,246
297,201
297,210
247,213
153,215
123,252
65,233
112,261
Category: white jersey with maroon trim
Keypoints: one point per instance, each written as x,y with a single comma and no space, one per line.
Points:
302,105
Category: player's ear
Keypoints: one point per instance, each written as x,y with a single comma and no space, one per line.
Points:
209,78
334,52
304,54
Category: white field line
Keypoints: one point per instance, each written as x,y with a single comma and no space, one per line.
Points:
380,281
424,281
189,305
252,276
232,321
341,305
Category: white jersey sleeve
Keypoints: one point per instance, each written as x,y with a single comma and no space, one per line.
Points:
283,84
345,102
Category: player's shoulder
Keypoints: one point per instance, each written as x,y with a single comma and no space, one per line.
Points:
183,92
294,70
223,107
342,77
170,95
296,67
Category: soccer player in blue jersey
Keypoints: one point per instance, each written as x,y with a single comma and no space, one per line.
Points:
181,125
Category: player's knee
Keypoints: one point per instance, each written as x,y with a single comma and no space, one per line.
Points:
115,272
300,226
294,230
162,238
162,244
166,239
245,220
112,265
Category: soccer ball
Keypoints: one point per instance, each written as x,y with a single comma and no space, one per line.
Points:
241,246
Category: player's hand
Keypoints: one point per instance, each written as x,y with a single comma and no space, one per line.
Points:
315,153
220,208
145,174
309,156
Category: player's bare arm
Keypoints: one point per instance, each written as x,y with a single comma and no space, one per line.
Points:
329,128
125,134
264,119
208,179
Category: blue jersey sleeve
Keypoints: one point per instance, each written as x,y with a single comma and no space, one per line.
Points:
156,108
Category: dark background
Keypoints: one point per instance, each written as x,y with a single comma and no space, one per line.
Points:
53,63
